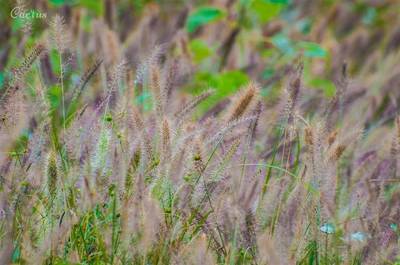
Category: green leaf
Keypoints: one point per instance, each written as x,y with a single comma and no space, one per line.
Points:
312,50
20,144
55,61
16,255
54,96
202,16
18,23
325,85
283,43
144,99
1,80
62,2
57,2
304,25
267,9
86,23
358,236
268,53
225,84
285,2
268,73
199,50
96,6
327,228
369,16
231,81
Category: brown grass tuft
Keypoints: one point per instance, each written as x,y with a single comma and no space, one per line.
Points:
242,102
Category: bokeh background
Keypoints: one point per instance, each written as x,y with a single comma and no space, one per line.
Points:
322,147
227,43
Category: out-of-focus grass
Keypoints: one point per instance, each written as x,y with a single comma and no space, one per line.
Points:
114,150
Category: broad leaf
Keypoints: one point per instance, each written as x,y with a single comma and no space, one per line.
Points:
325,85
312,50
199,50
62,2
267,9
283,43
1,80
202,16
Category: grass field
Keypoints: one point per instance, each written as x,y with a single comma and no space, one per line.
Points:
199,132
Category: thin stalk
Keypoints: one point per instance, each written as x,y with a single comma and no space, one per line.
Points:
62,89
269,166
114,230
326,249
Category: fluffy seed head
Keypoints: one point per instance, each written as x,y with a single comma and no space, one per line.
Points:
240,105
59,34
166,142
338,152
155,86
332,137
308,137
188,108
198,156
28,61
52,175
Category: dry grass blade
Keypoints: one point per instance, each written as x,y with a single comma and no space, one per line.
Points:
85,78
190,106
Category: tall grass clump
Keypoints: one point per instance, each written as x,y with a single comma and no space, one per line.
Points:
113,155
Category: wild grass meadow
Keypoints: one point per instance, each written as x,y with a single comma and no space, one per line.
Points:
199,132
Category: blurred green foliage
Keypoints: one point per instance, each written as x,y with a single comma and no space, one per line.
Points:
266,10
312,49
1,80
327,86
97,7
202,16
200,50
224,84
